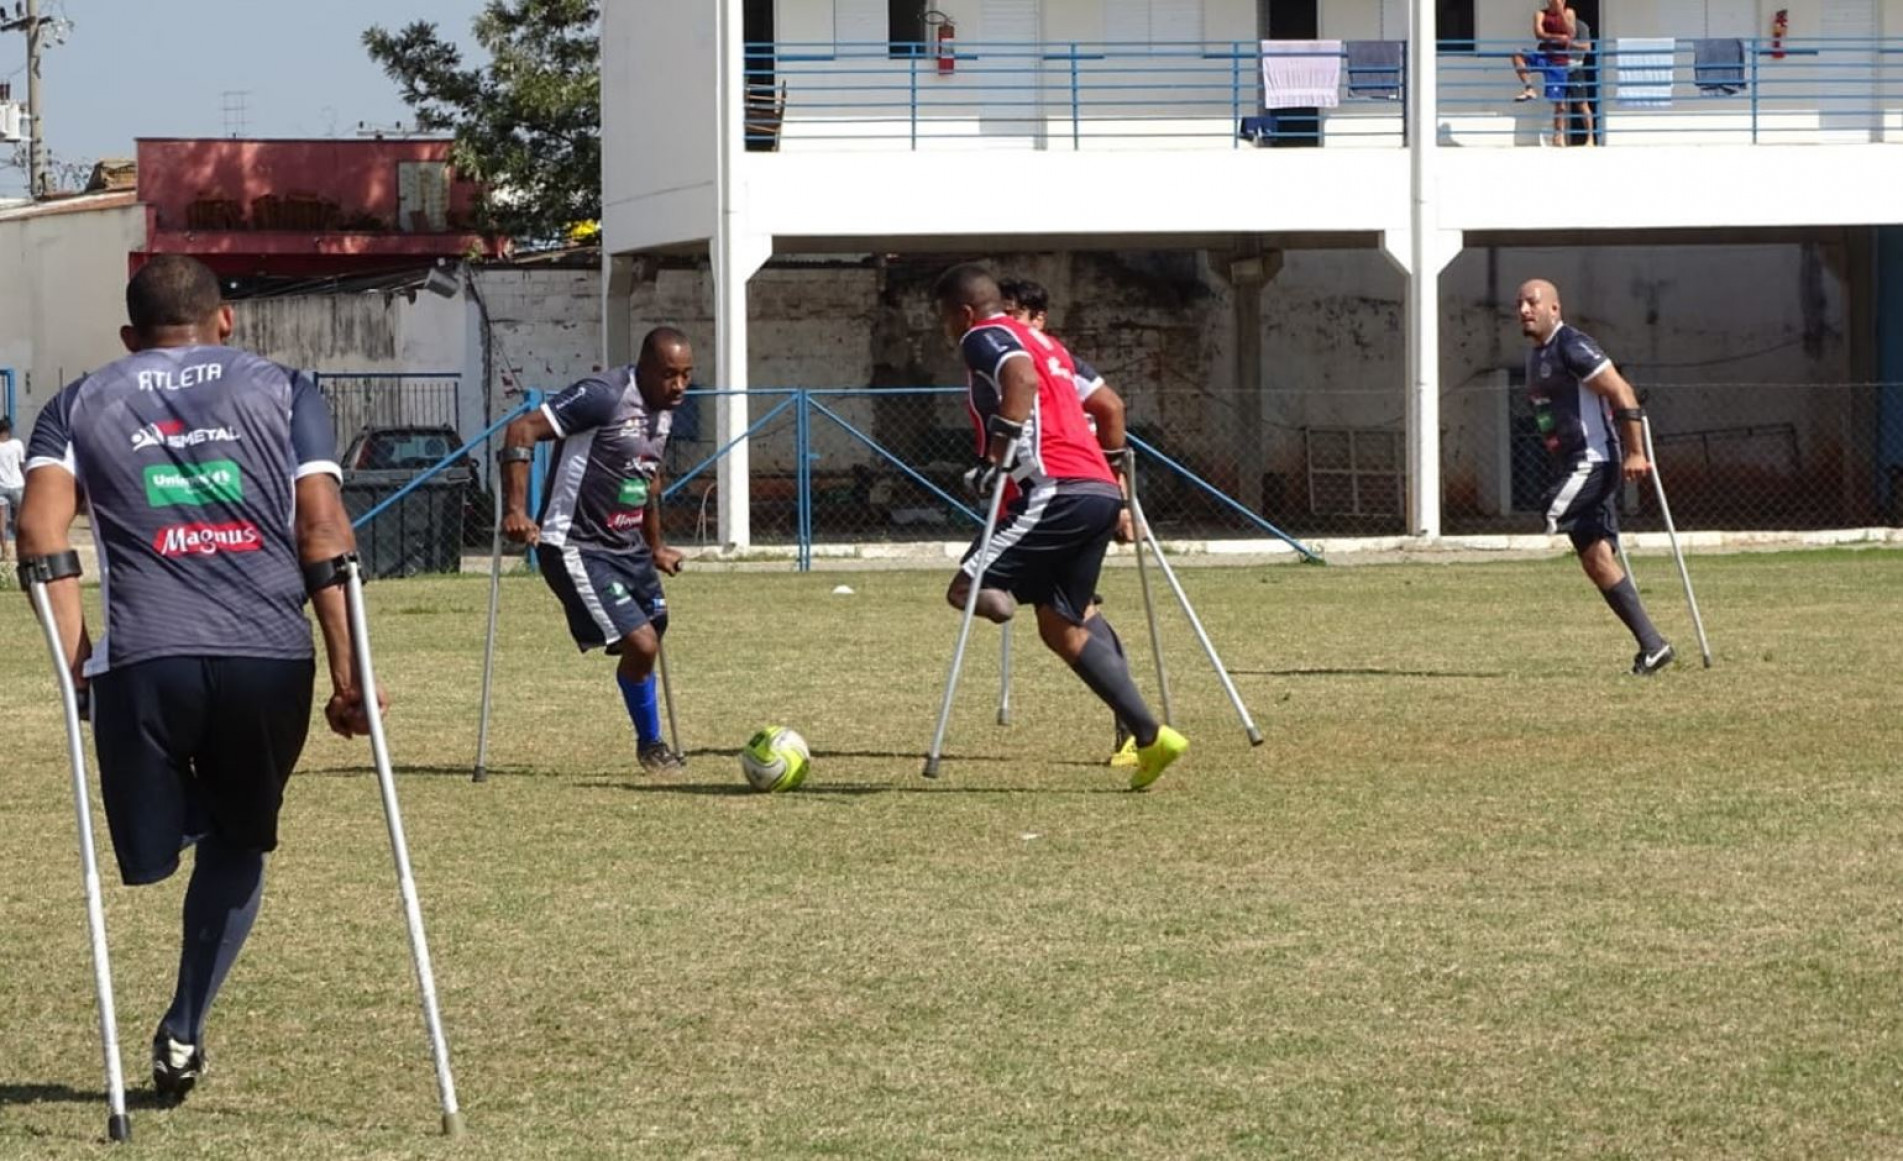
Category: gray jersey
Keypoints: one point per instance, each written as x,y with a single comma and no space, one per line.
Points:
605,466
189,457
1574,421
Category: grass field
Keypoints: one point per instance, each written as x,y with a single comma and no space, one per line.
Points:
1480,895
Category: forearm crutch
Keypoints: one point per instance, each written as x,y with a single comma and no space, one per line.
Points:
1143,578
36,576
399,846
964,624
489,643
667,696
1145,534
1678,554
1004,678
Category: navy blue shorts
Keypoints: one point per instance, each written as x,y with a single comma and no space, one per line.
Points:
606,595
196,746
1584,504
1048,549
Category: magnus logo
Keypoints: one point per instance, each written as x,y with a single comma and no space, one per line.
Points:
207,539
625,521
173,434
167,485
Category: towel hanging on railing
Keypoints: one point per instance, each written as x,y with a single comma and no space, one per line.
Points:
1301,74
1643,67
1718,66
1374,68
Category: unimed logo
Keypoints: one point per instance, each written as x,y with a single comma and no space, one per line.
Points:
207,539
168,485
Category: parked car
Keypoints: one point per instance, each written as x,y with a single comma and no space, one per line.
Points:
394,454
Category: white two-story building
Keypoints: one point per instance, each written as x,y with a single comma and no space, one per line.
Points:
1278,136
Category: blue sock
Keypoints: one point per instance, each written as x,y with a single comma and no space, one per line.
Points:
642,707
220,906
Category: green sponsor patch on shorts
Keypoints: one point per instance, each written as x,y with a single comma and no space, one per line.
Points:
193,485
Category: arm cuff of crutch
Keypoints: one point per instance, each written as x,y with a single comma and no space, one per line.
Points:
325,574
49,568
1629,414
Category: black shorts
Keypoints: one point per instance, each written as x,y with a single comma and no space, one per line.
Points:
1584,504
1048,548
196,746
606,595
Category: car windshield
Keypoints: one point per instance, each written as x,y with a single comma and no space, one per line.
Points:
403,449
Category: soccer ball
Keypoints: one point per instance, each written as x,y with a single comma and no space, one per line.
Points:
775,759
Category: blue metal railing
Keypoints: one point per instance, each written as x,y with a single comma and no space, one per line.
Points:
1077,94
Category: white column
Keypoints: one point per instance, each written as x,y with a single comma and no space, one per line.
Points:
737,253
617,309
1423,285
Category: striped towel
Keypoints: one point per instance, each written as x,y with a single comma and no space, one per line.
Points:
1301,74
1644,70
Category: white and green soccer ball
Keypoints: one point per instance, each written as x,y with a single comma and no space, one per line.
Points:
775,759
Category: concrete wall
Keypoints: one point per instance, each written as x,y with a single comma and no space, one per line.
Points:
658,124
62,297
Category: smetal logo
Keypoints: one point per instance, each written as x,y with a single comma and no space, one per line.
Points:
172,433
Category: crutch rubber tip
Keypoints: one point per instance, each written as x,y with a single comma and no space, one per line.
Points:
119,1127
452,1124
931,768
481,774
1004,717
1255,736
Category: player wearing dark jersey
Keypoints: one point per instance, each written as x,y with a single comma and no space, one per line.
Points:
211,480
1049,543
598,540
1589,418
1029,303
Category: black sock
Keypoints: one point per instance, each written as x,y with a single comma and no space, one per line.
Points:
1102,630
1109,678
1624,600
221,904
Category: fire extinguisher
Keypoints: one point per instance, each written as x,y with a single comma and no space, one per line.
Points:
1780,25
947,47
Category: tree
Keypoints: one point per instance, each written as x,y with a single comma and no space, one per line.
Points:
528,126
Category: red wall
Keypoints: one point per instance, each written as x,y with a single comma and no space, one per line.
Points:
360,177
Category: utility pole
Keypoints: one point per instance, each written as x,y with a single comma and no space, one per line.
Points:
31,22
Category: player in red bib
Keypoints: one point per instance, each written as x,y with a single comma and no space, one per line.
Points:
1049,543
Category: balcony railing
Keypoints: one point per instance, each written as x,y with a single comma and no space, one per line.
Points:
1076,95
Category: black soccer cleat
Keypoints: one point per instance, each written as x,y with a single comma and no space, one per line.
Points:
1646,664
658,758
176,1068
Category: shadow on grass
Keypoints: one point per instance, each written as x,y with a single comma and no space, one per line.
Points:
465,772
738,789
1365,672
46,1094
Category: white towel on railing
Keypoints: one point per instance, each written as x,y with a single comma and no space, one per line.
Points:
1644,70
1301,74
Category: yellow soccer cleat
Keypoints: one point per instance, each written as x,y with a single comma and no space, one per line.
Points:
1126,754
1156,757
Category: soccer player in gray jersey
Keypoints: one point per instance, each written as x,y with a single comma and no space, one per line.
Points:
1589,418
211,480
598,540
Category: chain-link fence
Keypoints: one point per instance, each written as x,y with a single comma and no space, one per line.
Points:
860,465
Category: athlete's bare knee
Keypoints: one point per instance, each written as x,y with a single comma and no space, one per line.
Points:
638,650
1059,635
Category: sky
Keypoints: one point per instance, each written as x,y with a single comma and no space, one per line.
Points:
161,68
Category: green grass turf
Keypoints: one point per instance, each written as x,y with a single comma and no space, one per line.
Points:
1481,894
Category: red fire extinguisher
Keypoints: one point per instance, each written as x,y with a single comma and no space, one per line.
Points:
947,48
1780,25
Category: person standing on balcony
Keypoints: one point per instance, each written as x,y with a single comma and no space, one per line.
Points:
1554,28
1589,419
1048,546
598,535
1030,303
